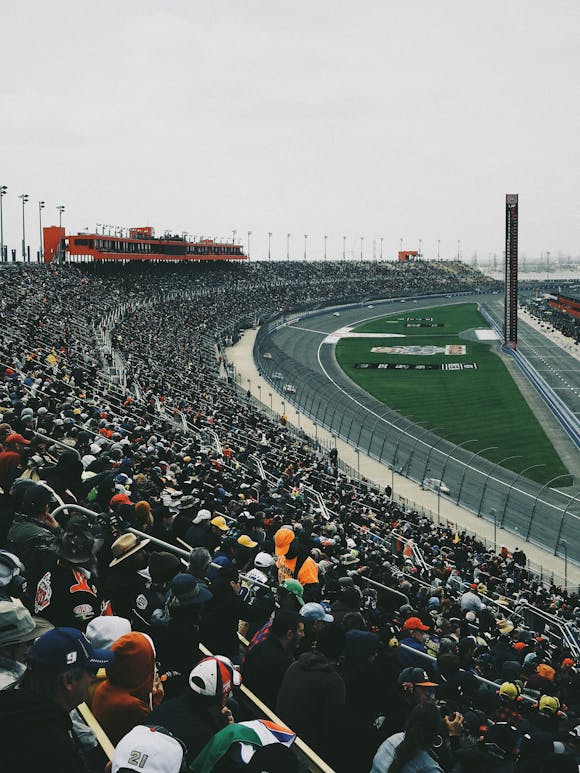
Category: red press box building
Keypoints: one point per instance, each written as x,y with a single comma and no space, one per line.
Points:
566,303
140,244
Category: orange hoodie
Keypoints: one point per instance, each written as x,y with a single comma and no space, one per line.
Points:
123,699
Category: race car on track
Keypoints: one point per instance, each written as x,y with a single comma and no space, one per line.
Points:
434,484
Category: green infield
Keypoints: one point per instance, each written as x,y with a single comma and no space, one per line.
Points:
479,401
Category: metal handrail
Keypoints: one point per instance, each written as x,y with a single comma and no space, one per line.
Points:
567,634
319,765
481,679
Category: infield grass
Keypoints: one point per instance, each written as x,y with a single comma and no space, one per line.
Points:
485,403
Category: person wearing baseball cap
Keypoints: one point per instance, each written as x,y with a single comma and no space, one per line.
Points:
11,459
197,713
200,533
293,559
149,750
60,667
415,634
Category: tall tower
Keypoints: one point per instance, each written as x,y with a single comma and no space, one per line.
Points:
511,271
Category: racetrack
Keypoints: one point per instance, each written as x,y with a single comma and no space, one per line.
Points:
323,392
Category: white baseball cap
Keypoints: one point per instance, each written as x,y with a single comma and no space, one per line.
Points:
202,515
264,560
148,750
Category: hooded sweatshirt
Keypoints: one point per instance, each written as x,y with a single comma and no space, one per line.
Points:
311,696
123,699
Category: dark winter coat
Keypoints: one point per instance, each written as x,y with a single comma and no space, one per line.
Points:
187,718
311,696
36,735
264,669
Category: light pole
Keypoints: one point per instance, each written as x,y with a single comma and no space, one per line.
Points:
283,407
401,247
493,513
234,232
514,481
459,249
420,243
467,466
270,396
60,209
570,503
374,249
305,242
357,452
249,387
361,246
497,464
3,189
269,245
325,238
260,392
287,246
438,249
565,546
344,247
40,208
249,235
382,237
536,501
448,457
24,198
417,439
433,447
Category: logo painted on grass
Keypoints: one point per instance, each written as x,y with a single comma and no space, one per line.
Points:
453,350
415,366
423,324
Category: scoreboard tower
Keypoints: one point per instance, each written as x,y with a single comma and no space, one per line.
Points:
511,271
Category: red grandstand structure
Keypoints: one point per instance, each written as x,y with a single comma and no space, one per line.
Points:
568,304
405,255
139,244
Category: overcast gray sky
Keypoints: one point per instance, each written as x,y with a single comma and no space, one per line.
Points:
392,118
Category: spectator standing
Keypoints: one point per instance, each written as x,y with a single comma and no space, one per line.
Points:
35,535
123,583
293,559
66,594
312,693
266,662
57,678
11,459
200,711
18,630
124,698
415,749
415,631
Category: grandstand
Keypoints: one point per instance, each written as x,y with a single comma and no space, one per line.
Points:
116,399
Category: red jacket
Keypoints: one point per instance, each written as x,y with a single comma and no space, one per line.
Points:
123,700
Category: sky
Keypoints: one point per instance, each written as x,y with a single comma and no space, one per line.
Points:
402,120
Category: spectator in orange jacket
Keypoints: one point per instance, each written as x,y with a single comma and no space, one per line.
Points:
125,698
293,560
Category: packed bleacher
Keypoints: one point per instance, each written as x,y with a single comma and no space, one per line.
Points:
187,585
554,318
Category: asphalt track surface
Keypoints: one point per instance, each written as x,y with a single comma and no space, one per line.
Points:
299,357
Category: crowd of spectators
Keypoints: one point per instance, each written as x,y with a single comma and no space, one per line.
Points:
385,642
554,318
